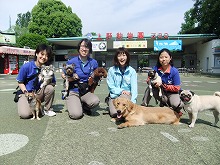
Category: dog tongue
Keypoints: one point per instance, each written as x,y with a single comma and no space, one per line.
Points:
119,116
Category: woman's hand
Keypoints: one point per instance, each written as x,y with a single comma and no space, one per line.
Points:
125,93
157,84
74,77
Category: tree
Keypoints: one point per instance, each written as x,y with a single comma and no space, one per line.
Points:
31,40
189,25
22,22
205,14
51,18
23,19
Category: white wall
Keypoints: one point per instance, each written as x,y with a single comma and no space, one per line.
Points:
205,56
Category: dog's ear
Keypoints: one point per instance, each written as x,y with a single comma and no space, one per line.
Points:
180,91
130,105
114,101
193,93
154,71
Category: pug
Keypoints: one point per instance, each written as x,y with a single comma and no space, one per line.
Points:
193,104
154,78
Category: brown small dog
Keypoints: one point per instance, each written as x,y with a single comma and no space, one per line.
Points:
136,115
68,75
34,103
96,76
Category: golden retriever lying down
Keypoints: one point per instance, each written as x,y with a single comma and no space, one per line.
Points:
136,115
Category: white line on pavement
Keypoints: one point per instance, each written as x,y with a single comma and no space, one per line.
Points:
5,90
170,137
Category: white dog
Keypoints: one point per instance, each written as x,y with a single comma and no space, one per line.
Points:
194,104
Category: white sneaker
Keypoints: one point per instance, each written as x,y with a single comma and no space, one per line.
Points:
49,113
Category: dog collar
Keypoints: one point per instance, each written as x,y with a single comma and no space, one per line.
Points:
187,102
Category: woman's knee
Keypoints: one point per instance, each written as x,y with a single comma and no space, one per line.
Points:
24,115
93,102
75,116
50,89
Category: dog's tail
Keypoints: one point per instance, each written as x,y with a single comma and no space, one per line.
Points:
217,94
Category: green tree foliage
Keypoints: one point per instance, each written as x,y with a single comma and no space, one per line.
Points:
22,22
23,19
51,18
31,40
204,17
190,24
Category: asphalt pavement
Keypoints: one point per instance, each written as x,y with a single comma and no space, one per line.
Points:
95,140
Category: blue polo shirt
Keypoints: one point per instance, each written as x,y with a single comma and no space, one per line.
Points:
28,74
83,70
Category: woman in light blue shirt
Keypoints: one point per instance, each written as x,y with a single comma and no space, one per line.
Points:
121,79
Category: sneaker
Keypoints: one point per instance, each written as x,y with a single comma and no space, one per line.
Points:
49,113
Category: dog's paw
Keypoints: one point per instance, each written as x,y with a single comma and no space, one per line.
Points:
113,120
191,125
151,93
38,118
122,125
214,125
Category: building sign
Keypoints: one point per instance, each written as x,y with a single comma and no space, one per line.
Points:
17,51
99,46
129,44
130,35
159,35
173,45
7,39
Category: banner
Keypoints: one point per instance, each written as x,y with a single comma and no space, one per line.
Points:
99,46
173,45
130,44
7,39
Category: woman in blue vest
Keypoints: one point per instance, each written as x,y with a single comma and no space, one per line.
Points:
121,80
79,100
28,81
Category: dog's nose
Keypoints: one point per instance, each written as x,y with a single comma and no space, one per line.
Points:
119,111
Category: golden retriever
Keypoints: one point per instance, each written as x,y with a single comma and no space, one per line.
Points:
136,115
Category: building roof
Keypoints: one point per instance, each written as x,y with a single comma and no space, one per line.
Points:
187,39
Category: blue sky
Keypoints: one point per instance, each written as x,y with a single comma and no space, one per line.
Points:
113,16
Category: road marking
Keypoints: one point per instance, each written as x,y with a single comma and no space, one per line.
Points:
94,133
199,138
211,82
5,90
198,81
95,163
170,137
12,142
184,130
112,129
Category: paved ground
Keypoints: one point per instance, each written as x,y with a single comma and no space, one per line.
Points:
94,140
